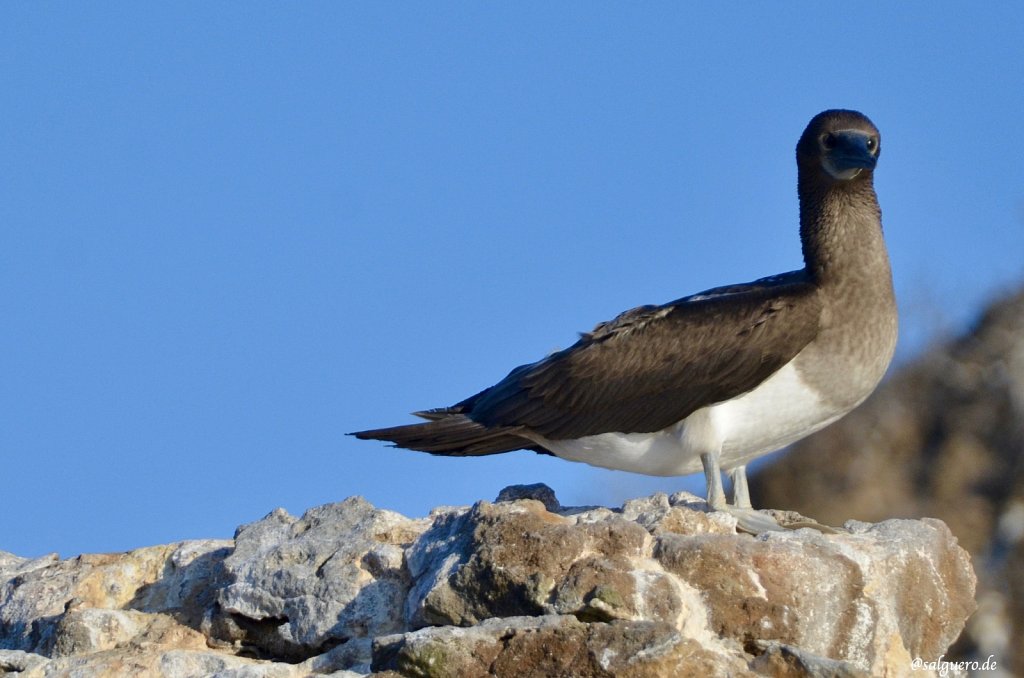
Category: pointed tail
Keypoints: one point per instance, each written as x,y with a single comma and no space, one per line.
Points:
451,434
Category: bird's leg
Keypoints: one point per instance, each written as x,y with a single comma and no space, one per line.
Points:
740,490
747,519
713,477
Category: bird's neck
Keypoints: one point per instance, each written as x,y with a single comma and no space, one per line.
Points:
841,236
845,256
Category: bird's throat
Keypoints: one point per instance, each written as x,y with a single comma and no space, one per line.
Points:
841,236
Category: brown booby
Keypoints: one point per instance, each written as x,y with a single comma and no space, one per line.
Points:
716,379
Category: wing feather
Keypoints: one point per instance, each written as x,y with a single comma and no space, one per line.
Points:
654,365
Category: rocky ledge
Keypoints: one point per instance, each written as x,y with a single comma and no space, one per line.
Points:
522,586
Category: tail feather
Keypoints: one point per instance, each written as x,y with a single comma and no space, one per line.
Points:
437,413
452,435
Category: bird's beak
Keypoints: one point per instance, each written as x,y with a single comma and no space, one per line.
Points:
850,152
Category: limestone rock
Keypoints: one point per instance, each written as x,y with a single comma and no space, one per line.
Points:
87,630
660,587
858,597
20,662
37,595
866,597
300,586
518,558
552,646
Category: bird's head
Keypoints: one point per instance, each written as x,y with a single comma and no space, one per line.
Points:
838,147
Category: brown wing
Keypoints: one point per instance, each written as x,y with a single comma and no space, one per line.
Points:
653,366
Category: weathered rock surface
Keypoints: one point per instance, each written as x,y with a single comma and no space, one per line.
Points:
524,586
943,437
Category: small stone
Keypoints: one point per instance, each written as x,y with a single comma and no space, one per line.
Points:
537,491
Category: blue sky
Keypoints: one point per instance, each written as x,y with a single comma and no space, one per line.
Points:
231,233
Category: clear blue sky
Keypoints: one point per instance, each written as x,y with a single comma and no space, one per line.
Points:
232,232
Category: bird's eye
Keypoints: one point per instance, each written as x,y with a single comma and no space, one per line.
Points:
872,144
828,142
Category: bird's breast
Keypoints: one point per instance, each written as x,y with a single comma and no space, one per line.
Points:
781,410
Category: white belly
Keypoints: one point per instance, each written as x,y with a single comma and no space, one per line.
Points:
780,411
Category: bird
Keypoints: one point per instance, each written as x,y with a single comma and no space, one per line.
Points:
713,380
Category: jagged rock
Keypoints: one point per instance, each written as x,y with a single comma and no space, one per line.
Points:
856,597
661,587
300,586
37,595
150,661
20,662
87,630
518,558
859,597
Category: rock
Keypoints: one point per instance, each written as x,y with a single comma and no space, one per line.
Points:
538,491
515,559
142,661
19,661
37,595
857,597
299,587
784,661
850,598
87,630
661,587
551,646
